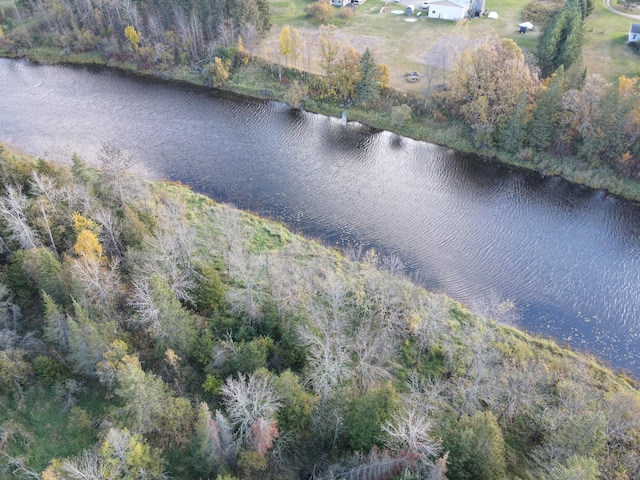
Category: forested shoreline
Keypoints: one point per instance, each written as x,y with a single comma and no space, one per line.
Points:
543,111
171,336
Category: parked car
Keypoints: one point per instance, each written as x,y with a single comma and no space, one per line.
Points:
425,6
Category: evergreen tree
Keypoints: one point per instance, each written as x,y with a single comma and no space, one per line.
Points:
573,38
561,43
88,340
368,88
366,414
513,132
549,44
476,448
545,116
264,24
162,317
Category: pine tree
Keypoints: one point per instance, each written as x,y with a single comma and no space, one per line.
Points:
368,88
544,119
264,24
561,43
549,44
513,132
573,38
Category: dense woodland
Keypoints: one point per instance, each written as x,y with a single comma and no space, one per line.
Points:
147,332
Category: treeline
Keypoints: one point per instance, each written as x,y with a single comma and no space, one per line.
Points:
159,33
587,121
185,339
561,42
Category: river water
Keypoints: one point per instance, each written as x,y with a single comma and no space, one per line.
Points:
567,256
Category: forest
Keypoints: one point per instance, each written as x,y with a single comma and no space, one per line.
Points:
147,332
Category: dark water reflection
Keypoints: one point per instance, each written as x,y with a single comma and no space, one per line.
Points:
568,256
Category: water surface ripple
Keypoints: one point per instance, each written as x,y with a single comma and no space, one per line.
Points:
568,256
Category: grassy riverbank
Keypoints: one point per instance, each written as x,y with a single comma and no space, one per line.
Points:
498,400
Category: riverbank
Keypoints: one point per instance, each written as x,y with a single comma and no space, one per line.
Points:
267,305
260,80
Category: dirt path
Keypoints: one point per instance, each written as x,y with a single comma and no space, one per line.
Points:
607,5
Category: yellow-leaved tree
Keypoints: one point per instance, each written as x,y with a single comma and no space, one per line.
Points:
133,36
87,245
285,43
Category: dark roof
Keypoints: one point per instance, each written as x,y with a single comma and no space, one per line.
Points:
635,28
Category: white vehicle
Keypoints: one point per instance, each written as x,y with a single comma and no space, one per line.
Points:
425,6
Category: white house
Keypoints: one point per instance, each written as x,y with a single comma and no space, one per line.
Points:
340,3
634,33
449,9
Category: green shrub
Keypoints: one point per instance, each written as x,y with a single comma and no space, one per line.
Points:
476,446
212,385
366,415
210,291
49,369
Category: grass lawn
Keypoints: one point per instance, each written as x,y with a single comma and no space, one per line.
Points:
605,50
404,45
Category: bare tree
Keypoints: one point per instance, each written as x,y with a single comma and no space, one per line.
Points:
325,337
168,253
286,283
427,322
45,186
309,40
297,45
409,429
518,387
377,465
114,164
374,349
250,37
100,282
131,12
621,410
214,438
13,210
111,230
142,301
249,271
474,385
251,403
439,468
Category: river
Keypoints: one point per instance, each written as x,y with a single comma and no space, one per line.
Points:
567,256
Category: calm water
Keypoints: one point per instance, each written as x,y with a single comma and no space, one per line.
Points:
569,257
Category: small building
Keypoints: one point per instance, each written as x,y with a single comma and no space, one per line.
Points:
477,8
634,33
409,10
340,3
449,9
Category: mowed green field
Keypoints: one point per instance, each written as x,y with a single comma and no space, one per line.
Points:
405,45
